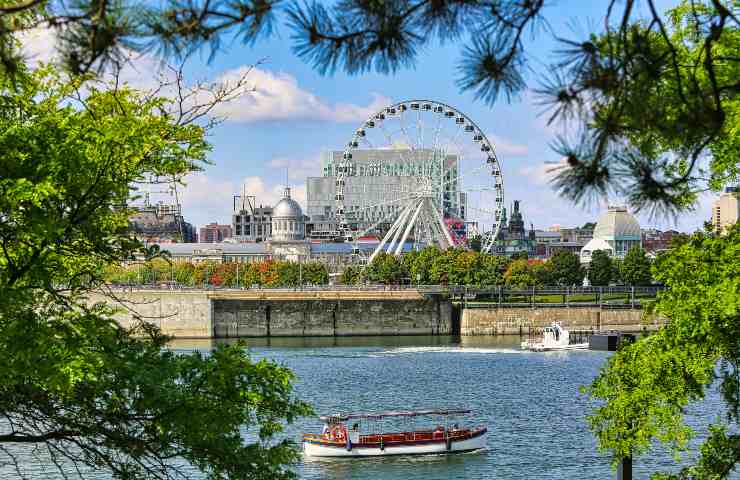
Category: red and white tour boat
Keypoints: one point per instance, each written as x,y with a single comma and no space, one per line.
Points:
364,435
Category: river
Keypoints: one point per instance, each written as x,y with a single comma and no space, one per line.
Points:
529,401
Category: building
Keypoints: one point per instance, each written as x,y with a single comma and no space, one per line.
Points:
513,238
547,236
249,222
336,256
654,240
218,252
288,239
616,232
725,209
288,223
214,233
576,235
160,223
378,178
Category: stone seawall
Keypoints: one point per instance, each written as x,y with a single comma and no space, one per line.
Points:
264,313
181,314
285,313
281,318
517,321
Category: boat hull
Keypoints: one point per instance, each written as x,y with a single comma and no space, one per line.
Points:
539,347
429,447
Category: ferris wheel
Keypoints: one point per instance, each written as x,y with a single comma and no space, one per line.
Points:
418,172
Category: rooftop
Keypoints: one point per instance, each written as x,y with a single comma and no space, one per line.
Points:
617,223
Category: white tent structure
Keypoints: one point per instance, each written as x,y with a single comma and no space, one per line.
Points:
617,231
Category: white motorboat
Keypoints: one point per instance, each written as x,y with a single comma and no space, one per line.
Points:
366,437
553,337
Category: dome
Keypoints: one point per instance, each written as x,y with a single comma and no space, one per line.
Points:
617,224
287,220
287,207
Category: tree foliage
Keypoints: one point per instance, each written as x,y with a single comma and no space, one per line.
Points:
73,381
601,268
565,269
644,389
268,274
454,266
635,268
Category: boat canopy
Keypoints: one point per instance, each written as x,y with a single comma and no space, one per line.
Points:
343,417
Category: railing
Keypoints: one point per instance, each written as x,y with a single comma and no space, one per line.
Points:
613,297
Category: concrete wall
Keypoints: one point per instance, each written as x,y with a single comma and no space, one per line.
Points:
257,313
181,314
516,321
221,314
280,318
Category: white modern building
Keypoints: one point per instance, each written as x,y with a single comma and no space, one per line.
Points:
725,210
376,178
616,232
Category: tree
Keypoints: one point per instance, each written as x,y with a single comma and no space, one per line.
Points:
489,270
635,268
565,268
520,274
588,226
644,390
601,269
652,93
350,275
72,380
385,268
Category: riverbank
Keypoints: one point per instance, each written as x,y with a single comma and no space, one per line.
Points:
225,313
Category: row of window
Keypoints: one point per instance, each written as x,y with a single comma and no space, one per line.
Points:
288,226
248,219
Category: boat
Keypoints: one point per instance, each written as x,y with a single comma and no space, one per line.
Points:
552,337
367,437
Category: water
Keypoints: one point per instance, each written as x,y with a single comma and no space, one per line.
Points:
530,402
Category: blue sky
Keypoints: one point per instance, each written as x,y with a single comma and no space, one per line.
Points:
295,114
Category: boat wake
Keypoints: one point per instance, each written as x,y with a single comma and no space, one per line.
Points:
458,350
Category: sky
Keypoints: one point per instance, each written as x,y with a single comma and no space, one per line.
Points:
293,114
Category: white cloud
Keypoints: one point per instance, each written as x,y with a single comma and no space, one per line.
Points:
297,168
205,199
270,194
277,96
508,148
267,96
542,173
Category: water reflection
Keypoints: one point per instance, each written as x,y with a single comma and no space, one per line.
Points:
501,342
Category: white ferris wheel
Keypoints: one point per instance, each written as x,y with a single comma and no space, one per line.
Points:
418,172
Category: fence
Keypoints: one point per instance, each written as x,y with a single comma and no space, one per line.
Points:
613,297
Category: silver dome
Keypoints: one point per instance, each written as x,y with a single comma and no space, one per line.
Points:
287,208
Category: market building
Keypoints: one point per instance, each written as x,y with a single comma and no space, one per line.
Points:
616,232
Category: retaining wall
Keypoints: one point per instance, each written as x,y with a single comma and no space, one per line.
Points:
517,321
262,313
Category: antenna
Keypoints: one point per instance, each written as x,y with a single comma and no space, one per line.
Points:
244,196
